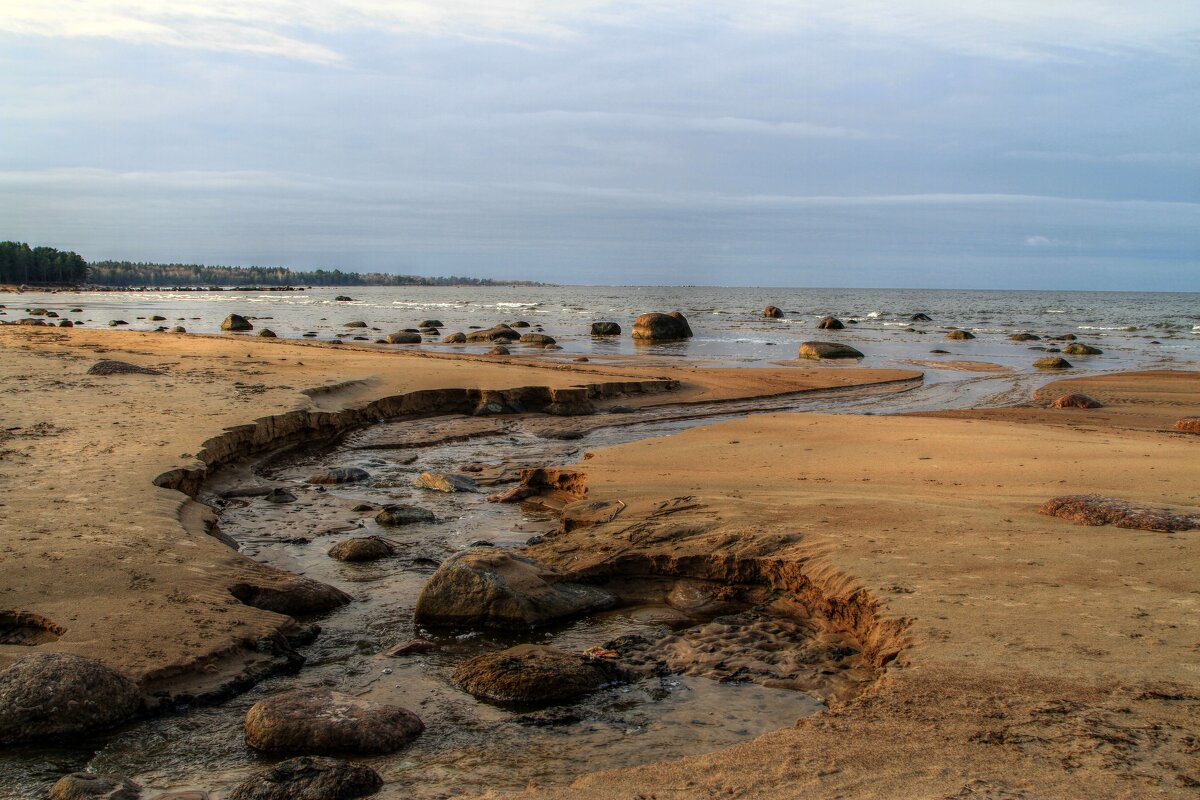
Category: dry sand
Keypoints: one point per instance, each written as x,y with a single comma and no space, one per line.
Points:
1020,655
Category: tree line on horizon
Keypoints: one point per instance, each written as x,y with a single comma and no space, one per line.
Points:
21,264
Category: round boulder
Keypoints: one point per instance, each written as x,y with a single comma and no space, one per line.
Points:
323,721
493,334
404,338
1075,401
393,515
60,694
830,324
179,329
1080,349
339,475
236,322
310,778
606,329
920,318
362,548
293,596
825,350
1052,362
431,323
538,339
771,312
532,674
960,335
1024,337
661,327
90,786
267,333
455,338
499,350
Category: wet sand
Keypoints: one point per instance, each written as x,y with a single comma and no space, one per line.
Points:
1020,655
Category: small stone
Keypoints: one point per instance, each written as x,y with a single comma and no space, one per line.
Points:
267,333
960,335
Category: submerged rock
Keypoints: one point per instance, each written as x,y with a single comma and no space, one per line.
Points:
445,482
267,333
820,350
362,548
309,778
920,318
323,722
60,694
236,322
492,588
393,515
656,326
533,674
339,475
90,786
606,329
830,324
1024,337
499,350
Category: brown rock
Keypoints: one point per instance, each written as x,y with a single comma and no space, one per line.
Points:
531,673
1024,337
309,778
1188,424
771,312
120,368
455,338
1080,349
267,333
1052,362
236,322
445,482
1088,509
499,350
404,338
90,786
606,329
398,514
411,647
60,694
830,324
363,548
539,339
820,350
1075,401
493,334
661,327
292,596
960,335
339,475
324,722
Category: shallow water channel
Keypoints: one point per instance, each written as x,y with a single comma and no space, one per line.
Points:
470,746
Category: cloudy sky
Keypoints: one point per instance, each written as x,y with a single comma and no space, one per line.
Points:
929,143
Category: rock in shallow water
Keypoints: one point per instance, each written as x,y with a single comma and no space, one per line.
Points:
820,350
399,514
310,778
445,482
340,475
291,596
90,786
323,722
656,326
533,674
60,694
236,322
363,548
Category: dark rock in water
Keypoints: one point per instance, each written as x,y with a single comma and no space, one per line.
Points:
279,496
520,324
1188,425
362,507
66,323
179,329
60,695
73,310
920,318
358,323
771,312
236,322
533,674
1052,362
445,482
487,587
340,475
499,350
412,647
539,339
581,359
363,548
455,338
90,786
1066,337
309,335
341,298
157,318
431,323
481,543
324,722
393,515
119,368
267,333
621,409
940,352
661,327
822,350
830,324
493,334
606,329
404,338
112,323
960,335
1024,337
1079,349
1075,401
310,778
292,596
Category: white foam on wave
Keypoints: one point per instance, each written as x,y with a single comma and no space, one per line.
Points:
874,314
1056,311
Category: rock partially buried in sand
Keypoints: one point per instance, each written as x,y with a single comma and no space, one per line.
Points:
362,548
325,722
310,778
339,475
533,674
960,335
771,312
830,324
90,786
393,515
485,587
60,694
1090,509
292,596
236,322
1052,362
120,368
1188,425
1079,349
606,329
404,338
660,327
1075,401
821,350
445,482
455,338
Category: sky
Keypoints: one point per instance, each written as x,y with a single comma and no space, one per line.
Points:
857,143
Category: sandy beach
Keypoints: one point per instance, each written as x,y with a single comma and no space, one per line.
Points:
1009,653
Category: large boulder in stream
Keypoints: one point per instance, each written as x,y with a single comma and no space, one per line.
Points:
486,587
310,778
533,674
657,327
325,722
60,695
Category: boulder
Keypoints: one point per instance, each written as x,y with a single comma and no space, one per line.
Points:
292,596
455,338
533,674
279,495
90,786
1024,337
1080,349
339,475
538,339
362,548
411,647
830,324
267,333
341,298
960,335
393,515
60,695
179,329
119,368
112,323
486,587
606,329
236,322
920,318
1052,362
325,722
66,323
499,350
1066,337
431,323
310,778
1188,425
445,482
661,327
771,312
404,338
493,334
358,323
520,324
822,350
1075,401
